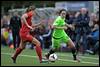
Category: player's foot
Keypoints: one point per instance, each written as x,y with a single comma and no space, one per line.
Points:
44,61
52,61
46,55
14,59
77,59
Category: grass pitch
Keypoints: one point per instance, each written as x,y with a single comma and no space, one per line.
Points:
29,58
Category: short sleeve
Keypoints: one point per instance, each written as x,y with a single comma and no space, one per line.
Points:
59,22
56,22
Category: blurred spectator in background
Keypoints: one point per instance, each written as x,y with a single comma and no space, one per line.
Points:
47,37
41,31
67,15
93,16
5,21
15,25
10,39
4,36
97,14
38,32
70,20
82,29
93,37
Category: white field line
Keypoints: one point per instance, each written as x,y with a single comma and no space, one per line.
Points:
81,56
58,59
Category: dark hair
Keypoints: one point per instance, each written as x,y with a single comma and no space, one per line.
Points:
61,11
30,8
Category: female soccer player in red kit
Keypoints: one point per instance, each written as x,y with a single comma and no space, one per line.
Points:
25,34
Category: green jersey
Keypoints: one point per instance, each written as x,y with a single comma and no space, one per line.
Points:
59,22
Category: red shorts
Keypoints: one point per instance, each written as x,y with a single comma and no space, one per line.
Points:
26,36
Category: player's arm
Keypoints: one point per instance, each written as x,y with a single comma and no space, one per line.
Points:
70,25
95,27
36,25
24,20
56,27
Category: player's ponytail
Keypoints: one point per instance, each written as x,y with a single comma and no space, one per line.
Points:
30,8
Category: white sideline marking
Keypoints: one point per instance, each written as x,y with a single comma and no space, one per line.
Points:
58,59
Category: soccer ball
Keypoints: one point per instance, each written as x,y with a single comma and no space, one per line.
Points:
53,57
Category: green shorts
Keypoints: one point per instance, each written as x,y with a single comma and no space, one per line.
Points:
57,41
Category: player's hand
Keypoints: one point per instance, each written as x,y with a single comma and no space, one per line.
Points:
32,28
72,27
65,27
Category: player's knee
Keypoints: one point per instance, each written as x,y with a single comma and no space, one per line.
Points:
71,44
38,44
22,47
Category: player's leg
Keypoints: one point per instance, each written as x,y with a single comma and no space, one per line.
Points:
71,45
14,38
18,51
18,40
84,43
73,49
37,44
77,40
55,45
37,48
51,51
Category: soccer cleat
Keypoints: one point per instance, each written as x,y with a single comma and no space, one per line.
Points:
77,59
47,56
14,60
44,61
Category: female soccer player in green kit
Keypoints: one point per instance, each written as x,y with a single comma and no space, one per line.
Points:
59,35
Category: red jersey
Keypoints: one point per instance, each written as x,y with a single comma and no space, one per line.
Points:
24,31
24,28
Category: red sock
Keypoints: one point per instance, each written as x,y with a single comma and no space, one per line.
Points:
18,51
39,52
